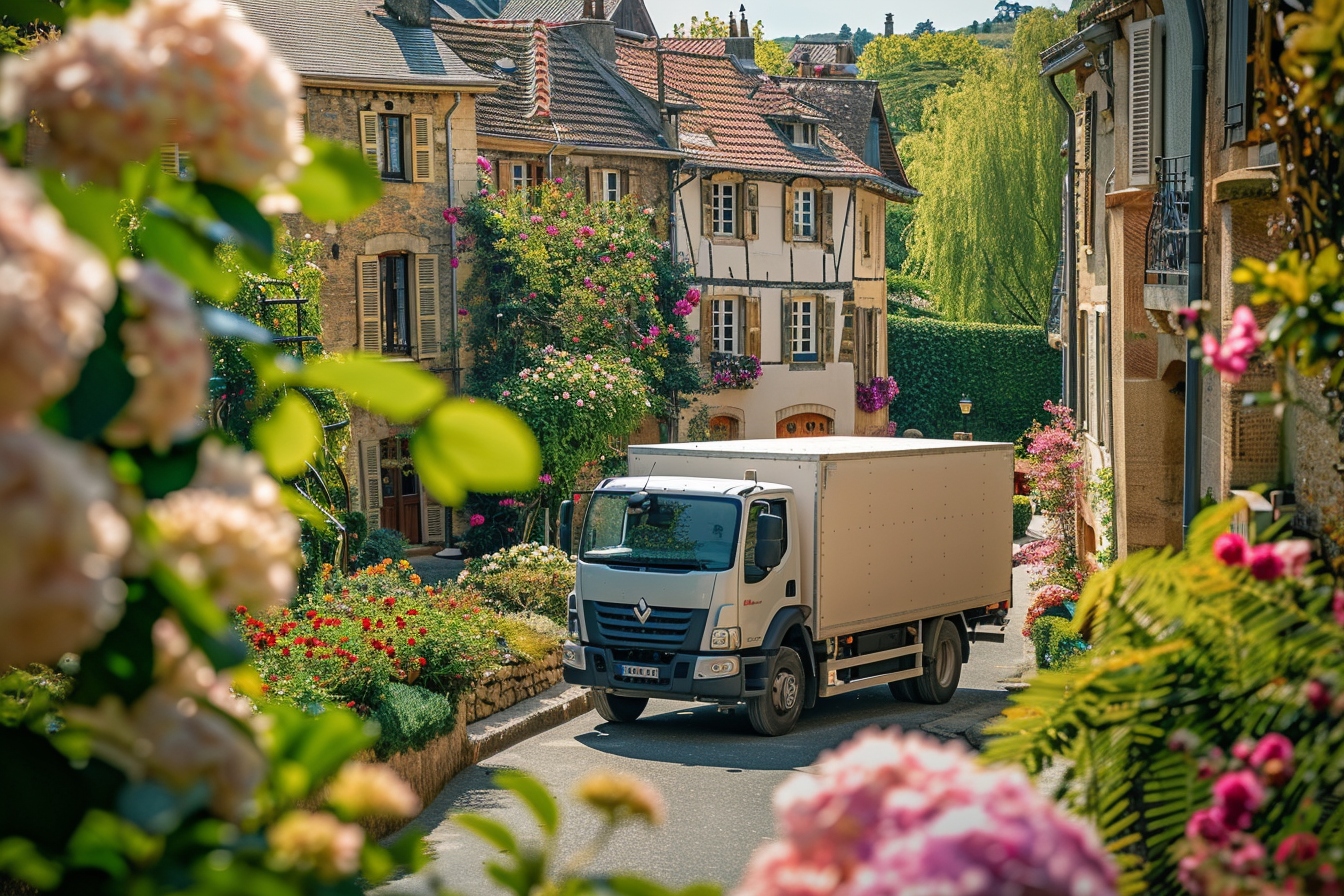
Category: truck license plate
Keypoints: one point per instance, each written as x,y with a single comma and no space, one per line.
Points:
649,673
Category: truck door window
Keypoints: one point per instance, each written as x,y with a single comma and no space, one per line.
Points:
751,572
677,531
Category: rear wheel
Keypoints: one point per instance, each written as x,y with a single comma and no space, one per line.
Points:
942,668
615,708
903,690
776,711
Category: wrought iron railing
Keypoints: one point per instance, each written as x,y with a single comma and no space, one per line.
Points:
1169,228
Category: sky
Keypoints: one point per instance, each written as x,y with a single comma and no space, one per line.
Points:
785,18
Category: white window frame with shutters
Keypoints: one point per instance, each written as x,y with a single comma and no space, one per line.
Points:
725,208
424,307
371,481
609,185
804,332
805,227
725,316
1145,99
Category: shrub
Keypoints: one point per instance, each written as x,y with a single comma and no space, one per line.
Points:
534,578
1021,515
410,717
1056,640
1008,372
382,544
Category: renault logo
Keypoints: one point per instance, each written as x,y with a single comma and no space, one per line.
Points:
643,611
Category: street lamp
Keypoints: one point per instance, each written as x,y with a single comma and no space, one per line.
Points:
965,405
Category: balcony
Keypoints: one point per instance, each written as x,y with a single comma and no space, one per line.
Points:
1167,261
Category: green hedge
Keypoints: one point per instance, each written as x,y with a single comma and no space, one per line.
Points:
1021,515
410,717
1056,641
1008,373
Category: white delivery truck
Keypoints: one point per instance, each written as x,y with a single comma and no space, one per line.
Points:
777,571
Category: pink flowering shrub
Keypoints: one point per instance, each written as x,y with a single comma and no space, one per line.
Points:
891,813
1232,355
734,371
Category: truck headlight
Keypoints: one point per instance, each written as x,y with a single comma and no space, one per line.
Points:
572,655
574,616
716,666
725,639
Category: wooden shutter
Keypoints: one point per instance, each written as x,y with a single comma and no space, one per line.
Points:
788,213
368,137
706,208
427,305
169,159
751,342
594,184
299,124
422,149
752,212
786,330
826,329
371,480
706,328
1084,128
1238,71
369,304
434,518
827,213
1145,107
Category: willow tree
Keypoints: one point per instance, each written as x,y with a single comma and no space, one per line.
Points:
986,233
909,70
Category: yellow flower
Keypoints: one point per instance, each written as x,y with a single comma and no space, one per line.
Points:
363,790
316,841
618,795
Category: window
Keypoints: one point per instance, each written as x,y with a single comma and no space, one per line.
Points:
801,134
805,214
779,507
610,186
803,330
725,209
872,149
723,324
867,235
392,146
392,271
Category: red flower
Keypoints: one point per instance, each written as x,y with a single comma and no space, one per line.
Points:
410,641
240,609
422,661
350,704
311,614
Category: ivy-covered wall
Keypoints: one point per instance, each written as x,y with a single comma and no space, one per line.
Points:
1008,372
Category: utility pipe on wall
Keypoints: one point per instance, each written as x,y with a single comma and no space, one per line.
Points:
1069,318
452,240
1199,76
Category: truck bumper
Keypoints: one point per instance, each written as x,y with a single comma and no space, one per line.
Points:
688,676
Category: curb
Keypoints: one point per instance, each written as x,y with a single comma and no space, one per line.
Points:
549,709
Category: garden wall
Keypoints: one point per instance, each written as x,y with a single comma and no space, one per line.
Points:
1008,372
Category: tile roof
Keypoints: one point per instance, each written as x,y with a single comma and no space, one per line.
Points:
850,105
696,46
355,40
819,54
466,9
559,90
629,14
732,129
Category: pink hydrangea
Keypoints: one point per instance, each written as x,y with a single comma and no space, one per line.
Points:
682,308
477,520
1237,795
891,813
1231,357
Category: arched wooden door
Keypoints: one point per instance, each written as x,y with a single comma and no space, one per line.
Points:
723,428
802,425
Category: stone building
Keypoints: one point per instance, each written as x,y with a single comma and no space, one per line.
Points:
377,77
1129,267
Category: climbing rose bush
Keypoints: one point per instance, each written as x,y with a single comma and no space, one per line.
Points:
892,813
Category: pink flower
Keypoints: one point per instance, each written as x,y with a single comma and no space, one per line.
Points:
450,215
682,308
536,219
1238,795
522,236
1318,695
585,230
546,479
564,395
1338,606
1244,337
629,255
484,164
453,262
1296,554
1265,562
552,230
693,296
1297,848
579,402
462,312
1273,755
1231,549
1207,825
654,331
606,259
506,393
476,518
565,214
578,243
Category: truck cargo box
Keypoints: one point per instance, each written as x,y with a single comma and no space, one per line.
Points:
894,530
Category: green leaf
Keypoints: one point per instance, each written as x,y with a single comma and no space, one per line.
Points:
20,860
474,446
182,252
192,602
337,184
255,234
538,799
90,211
375,863
290,437
489,830
702,890
123,662
403,393
161,474
629,885
104,387
24,12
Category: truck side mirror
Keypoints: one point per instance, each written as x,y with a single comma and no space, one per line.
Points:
769,540
566,526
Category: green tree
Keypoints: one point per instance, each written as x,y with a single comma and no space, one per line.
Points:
862,38
846,34
986,232
923,28
770,56
910,70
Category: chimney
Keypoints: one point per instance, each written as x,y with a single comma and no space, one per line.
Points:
587,9
891,25
596,30
600,9
412,13
740,43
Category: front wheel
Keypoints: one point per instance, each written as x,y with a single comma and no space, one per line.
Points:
776,711
942,670
615,708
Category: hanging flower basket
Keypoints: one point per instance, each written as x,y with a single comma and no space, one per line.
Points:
877,394
729,371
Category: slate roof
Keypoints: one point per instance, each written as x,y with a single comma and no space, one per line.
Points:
628,14
355,40
465,9
560,91
850,106
733,129
820,54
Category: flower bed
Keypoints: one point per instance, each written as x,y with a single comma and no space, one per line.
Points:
727,371
526,578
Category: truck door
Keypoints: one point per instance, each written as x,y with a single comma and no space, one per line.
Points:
763,593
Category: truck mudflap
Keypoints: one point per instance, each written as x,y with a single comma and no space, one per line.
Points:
684,676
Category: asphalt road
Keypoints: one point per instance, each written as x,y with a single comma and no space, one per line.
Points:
715,773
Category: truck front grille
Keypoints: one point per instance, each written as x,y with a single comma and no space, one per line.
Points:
665,628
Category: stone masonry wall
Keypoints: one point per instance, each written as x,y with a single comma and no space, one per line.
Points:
504,687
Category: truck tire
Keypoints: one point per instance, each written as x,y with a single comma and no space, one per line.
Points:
776,711
615,708
942,669
903,690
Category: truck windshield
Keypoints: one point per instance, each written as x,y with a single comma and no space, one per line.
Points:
680,531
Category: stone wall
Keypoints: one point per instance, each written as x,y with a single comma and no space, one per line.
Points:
504,687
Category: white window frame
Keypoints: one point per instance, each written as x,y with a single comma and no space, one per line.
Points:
610,181
520,175
724,316
805,214
725,209
802,133
803,330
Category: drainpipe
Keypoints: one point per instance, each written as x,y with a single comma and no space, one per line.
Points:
1070,315
452,240
1195,253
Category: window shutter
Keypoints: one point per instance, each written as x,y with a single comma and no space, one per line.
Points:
786,330
826,329
1238,71
371,480
788,213
422,149
827,211
369,304
751,343
752,212
299,124
368,137
594,184
1145,81
427,305
434,518
1083,121
706,328
168,159
706,208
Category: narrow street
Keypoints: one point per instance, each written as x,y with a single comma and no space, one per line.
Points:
716,774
